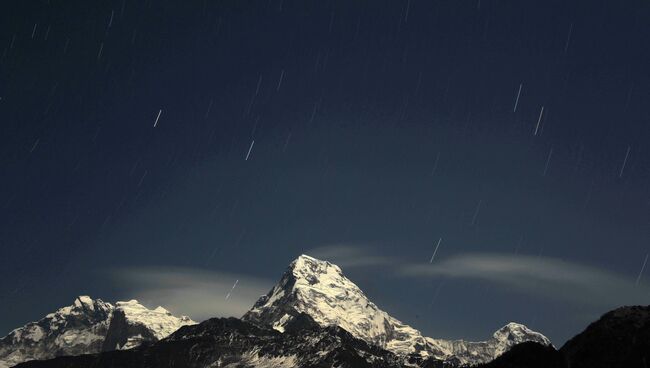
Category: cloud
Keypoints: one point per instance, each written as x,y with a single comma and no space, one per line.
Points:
197,293
547,276
349,256
201,294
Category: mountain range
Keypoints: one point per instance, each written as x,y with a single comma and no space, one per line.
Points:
313,317
88,326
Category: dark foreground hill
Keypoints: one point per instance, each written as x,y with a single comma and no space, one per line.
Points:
529,355
619,339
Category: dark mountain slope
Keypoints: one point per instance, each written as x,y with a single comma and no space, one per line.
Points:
528,355
620,338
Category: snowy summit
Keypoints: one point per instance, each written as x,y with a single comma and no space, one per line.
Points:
319,288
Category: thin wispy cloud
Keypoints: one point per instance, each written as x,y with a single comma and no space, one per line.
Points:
198,293
550,277
544,277
203,294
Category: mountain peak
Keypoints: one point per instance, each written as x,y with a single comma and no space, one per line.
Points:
511,327
308,271
305,265
85,304
74,329
307,257
159,321
515,333
83,300
514,330
319,289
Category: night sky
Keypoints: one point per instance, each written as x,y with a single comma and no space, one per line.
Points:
162,150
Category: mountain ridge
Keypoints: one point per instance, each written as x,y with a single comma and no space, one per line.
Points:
295,325
234,343
88,326
309,288
319,288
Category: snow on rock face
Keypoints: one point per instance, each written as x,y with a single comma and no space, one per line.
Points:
319,289
470,353
133,324
75,329
85,327
514,333
160,321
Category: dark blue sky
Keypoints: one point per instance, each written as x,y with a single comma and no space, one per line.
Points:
378,127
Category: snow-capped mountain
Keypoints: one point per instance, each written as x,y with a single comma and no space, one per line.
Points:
314,316
320,290
233,343
621,338
88,326
469,352
133,324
